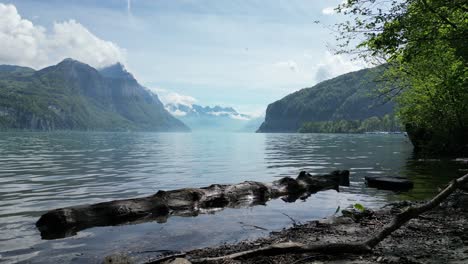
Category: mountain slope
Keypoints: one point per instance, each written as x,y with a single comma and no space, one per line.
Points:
73,95
13,69
346,97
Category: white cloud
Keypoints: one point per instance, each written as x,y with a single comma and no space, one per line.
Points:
333,65
177,112
231,115
171,99
328,10
253,111
24,43
176,98
239,117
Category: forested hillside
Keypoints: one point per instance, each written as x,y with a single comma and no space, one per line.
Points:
387,123
347,97
74,96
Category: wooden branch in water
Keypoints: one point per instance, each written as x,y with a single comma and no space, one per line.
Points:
65,222
354,248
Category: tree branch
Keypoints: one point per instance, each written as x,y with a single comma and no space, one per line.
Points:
444,18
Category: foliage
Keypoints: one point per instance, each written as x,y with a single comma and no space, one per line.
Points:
387,123
424,43
359,207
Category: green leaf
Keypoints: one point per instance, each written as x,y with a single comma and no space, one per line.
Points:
359,207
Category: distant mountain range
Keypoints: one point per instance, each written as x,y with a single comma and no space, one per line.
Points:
349,96
218,118
75,96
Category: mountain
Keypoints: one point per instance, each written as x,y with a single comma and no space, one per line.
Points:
346,97
75,96
217,118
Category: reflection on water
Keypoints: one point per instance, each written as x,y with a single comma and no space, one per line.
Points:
42,171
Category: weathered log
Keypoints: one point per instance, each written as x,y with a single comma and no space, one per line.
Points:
352,247
68,221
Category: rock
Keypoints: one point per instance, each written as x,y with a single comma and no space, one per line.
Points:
389,183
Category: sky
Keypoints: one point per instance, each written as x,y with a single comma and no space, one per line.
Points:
240,53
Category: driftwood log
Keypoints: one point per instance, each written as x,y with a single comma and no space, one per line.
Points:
68,221
354,248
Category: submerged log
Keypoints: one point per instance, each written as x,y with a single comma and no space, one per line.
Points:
68,221
389,183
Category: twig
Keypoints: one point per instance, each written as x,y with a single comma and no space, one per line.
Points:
295,222
254,226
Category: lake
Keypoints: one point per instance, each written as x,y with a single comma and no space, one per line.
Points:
43,171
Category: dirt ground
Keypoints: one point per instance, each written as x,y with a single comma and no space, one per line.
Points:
438,236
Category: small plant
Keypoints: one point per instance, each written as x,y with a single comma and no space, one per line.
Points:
359,207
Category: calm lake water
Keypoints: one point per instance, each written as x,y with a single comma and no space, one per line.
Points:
43,171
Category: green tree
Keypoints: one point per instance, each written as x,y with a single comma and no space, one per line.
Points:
373,124
425,46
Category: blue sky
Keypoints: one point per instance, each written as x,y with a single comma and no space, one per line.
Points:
240,53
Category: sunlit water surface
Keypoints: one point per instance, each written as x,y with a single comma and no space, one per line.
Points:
43,171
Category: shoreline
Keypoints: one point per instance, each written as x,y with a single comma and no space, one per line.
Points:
437,236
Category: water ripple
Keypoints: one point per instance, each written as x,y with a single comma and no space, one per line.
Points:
42,171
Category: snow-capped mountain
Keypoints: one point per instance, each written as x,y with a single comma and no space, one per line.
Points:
217,118
198,110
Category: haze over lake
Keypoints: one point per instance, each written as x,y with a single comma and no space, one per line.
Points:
43,171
